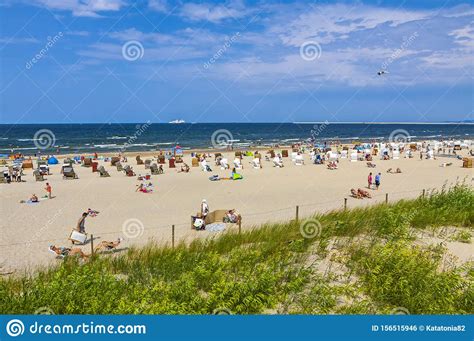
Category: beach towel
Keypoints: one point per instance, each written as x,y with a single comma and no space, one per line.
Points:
215,227
237,176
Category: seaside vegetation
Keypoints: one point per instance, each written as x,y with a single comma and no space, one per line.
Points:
372,260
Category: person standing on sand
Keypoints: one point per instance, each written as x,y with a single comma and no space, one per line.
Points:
81,223
421,156
377,180
204,209
369,181
48,190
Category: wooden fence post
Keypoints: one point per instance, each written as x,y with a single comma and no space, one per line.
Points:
345,203
240,224
297,213
92,244
386,198
172,236
423,192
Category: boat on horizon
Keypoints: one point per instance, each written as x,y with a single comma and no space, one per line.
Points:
177,122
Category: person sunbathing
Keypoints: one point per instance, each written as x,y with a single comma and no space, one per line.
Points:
232,216
184,168
65,251
371,165
389,170
355,194
363,193
107,246
398,171
34,198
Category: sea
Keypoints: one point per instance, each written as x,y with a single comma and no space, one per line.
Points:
56,139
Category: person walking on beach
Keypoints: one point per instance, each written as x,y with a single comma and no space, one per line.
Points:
369,181
48,190
204,209
81,223
377,181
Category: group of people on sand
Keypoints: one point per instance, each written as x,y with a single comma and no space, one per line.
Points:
371,183
62,251
34,198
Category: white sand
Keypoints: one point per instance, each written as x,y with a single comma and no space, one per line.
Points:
268,194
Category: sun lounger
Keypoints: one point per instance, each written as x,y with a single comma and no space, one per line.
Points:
195,162
38,175
139,160
103,173
161,159
114,160
147,163
154,169
299,161
87,162
119,166
178,159
128,171
354,157
69,174
237,163
284,153
224,163
256,163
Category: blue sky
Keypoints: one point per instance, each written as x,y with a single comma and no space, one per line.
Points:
73,61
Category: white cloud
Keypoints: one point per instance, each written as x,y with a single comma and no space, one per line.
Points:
213,13
80,8
158,5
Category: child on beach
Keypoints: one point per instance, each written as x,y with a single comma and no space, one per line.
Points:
48,190
369,181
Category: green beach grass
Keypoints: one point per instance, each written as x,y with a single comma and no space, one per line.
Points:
360,261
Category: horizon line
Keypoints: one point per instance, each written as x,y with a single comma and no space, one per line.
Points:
469,122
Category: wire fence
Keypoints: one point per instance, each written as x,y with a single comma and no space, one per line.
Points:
184,231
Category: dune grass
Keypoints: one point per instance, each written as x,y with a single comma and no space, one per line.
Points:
271,269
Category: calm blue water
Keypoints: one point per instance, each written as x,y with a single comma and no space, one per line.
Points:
82,138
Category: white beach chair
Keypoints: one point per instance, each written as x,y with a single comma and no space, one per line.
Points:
395,154
277,162
299,161
354,156
293,156
204,165
224,163
237,163
256,163
344,154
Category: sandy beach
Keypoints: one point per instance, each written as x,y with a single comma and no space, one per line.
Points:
267,194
